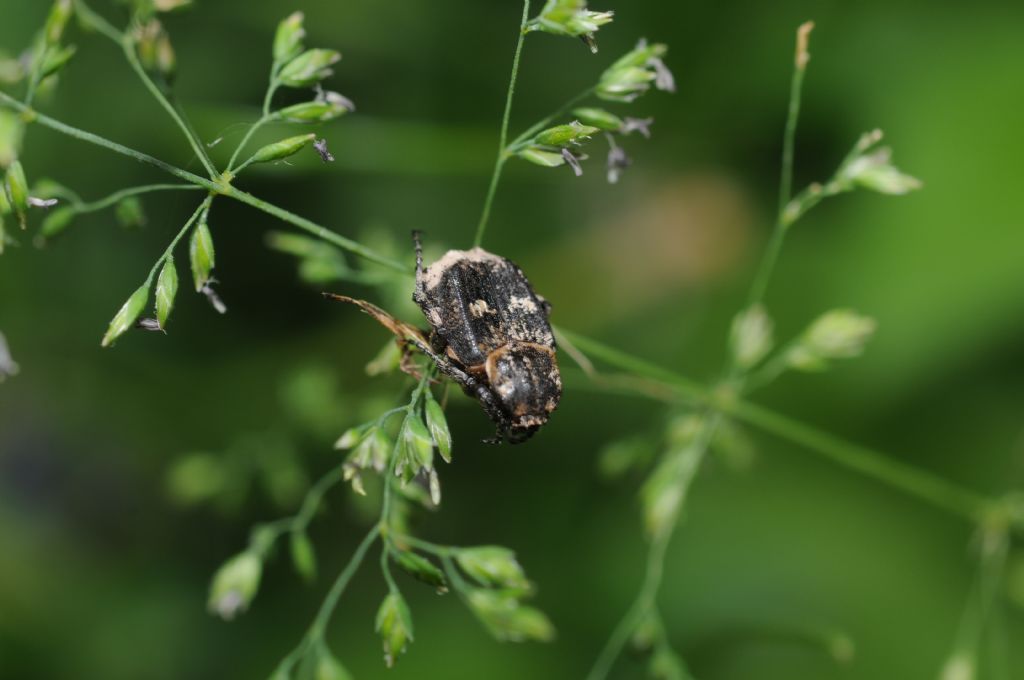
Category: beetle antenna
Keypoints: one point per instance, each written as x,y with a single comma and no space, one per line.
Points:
418,243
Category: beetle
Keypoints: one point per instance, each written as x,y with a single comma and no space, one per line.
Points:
489,332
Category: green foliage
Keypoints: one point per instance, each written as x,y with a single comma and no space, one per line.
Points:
398,444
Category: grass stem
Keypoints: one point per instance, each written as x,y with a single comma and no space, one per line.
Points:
499,163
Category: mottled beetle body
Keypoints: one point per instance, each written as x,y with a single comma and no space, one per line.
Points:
488,321
489,333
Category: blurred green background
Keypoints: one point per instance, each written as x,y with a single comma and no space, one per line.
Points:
103,570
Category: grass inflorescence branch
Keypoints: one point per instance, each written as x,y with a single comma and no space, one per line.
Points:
670,387
502,156
839,334
126,41
218,187
771,257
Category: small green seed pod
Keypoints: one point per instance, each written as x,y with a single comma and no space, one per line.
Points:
234,585
201,254
283,149
438,426
547,159
309,68
493,566
419,443
303,555
330,107
564,135
288,39
394,623
599,118
17,191
57,21
57,221
166,59
126,316
421,569
166,289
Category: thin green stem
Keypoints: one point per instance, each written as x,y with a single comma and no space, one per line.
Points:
124,40
883,468
389,480
734,375
644,603
426,546
771,257
769,371
216,187
635,614
981,612
789,137
203,207
90,19
265,118
331,601
128,46
380,530
868,462
499,162
458,583
268,533
315,496
245,140
323,233
118,196
642,367
385,568
32,116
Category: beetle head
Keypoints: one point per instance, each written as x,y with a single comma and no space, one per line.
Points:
524,377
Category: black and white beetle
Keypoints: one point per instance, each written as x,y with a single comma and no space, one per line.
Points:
489,333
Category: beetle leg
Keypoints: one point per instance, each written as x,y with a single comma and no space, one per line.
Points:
404,332
491,407
437,342
407,365
471,386
410,335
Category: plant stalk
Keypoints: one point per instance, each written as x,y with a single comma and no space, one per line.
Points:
499,162
220,186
